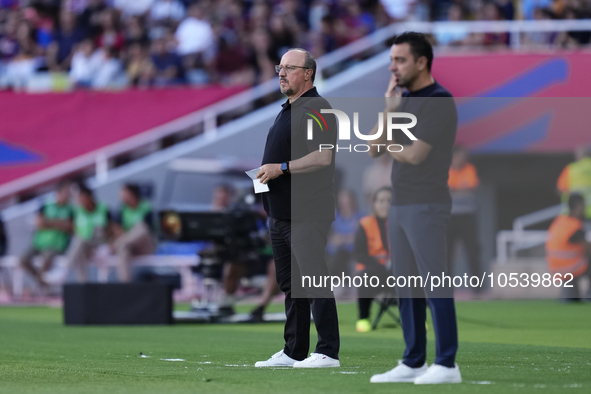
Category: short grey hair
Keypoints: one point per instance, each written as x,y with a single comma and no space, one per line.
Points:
309,61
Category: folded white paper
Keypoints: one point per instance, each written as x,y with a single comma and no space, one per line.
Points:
258,186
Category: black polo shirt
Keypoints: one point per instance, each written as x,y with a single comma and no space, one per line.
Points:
437,121
307,196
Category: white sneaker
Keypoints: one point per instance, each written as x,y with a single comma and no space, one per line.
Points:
317,360
437,374
400,374
279,359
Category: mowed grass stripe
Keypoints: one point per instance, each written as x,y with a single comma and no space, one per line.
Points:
504,346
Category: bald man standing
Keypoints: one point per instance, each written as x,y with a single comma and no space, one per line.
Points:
301,207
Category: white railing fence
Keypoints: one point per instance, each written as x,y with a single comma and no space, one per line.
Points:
509,242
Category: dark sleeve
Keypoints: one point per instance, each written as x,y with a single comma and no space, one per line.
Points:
436,119
41,210
324,126
578,237
360,251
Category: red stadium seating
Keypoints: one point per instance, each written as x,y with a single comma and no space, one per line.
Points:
39,131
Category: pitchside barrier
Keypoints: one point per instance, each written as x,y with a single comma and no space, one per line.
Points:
117,303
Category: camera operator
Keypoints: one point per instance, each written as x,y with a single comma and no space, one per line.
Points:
238,267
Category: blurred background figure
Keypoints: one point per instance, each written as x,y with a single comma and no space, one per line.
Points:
377,176
573,39
342,235
457,37
224,200
109,72
91,224
132,230
110,36
372,253
133,8
567,250
263,56
54,227
168,66
3,239
223,40
85,63
195,38
529,7
91,17
5,285
540,39
100,68
576,177
166,12
140,69
489,11
463,182
65,39
26,60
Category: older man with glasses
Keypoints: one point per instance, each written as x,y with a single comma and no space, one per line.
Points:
301,207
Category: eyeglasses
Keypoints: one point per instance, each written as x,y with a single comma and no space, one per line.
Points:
288,69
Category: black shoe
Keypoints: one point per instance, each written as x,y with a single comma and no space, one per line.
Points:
257,314
225,311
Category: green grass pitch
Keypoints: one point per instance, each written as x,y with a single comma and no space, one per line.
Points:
505,347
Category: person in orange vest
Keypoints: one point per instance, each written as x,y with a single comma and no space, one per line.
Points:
567,250
576,177
463,182
372,253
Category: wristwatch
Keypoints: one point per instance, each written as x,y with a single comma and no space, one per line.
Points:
285,167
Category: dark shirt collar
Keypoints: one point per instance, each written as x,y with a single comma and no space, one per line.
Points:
309,93
423,91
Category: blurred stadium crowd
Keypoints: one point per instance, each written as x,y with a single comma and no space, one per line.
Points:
119,43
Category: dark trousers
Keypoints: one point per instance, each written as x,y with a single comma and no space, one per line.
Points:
418,243
299,250
462,227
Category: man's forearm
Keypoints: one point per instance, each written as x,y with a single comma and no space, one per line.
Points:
313,161
379,145
404,156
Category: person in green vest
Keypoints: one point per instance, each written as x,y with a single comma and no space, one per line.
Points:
576,178
54,225
91,229
132,230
